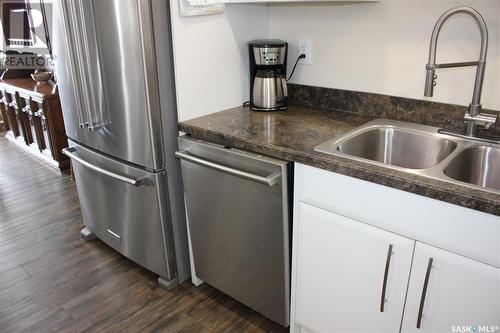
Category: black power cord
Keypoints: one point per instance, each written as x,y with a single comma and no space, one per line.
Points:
302,56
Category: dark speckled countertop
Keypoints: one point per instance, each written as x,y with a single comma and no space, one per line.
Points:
292,135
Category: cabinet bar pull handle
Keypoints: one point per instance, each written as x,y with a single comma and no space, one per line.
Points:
386,273
424,292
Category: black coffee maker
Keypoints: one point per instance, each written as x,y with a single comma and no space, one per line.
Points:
268,89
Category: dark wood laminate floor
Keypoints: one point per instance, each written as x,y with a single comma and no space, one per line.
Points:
52,281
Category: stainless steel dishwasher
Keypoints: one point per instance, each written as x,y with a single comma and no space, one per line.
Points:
239,222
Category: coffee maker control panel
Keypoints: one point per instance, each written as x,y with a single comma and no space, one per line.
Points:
269,55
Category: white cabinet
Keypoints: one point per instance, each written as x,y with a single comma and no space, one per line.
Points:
342,272
342,229
459,292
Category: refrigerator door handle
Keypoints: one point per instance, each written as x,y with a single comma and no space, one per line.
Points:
269,180
132,181
68,16
150,74
87,56
92,53
78,37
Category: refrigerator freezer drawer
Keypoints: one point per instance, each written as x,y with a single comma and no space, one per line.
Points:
120,205
237,207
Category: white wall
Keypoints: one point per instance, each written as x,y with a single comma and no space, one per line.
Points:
211,57
383,47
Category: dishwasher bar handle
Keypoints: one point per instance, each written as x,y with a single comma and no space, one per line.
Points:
69,152
269,180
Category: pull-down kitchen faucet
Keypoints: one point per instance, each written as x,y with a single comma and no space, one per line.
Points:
474,116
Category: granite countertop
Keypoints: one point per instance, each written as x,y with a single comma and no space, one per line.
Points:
292,135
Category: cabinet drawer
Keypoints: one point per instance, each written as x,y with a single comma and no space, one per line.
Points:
417,217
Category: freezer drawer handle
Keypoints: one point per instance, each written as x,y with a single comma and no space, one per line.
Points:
269,180
69,152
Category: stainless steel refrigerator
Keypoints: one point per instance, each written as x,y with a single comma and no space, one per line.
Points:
114,68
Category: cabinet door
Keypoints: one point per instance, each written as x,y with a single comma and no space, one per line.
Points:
25,108
341,268
3,112
36,117
11,116
451,293
16,116
47,147
22,119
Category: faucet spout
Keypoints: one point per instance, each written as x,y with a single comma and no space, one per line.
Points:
459,10
430,78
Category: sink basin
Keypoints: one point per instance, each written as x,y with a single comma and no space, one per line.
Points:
415,147
422,150
477,165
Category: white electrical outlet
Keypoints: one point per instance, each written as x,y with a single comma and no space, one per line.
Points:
304,47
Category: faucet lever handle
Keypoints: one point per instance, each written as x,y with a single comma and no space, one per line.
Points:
487,120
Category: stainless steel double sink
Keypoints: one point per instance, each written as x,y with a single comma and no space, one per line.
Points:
420,149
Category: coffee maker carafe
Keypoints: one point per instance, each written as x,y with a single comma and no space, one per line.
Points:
268,89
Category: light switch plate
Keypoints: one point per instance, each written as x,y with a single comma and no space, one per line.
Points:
304,47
